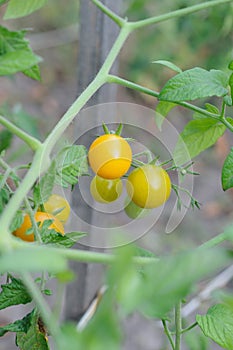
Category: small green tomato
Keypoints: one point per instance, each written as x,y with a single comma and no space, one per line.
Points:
104,190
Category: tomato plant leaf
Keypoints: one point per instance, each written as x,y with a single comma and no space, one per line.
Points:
33,72
169,65
5,139
17,221
231,85
15,53
198,135
193,84
71,163
139,251
217,324
17,326
210,108
230,66
54,238
17,8
17,61
35,337
13,293
41,258
227,172
161,111
172,278
4,197
43,190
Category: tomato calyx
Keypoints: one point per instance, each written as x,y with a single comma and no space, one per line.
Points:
117,132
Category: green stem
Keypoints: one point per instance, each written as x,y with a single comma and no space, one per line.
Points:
31,141
222,237
99,80
117,19
50,322
193,325
33,221
175,14
168,334
4,179
226,123
100,258
142,89
178,324
57,309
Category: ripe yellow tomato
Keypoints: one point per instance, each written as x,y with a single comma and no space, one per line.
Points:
58,206
149,186
21,232
105,191
110,156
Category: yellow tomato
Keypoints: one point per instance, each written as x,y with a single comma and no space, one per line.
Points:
21,232
149,186
110,156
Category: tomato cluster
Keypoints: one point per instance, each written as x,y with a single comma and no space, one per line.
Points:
57,209
110,158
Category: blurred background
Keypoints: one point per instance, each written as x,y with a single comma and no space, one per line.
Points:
204,39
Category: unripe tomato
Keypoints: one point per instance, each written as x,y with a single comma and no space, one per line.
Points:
105,191
58,206
133,211
149,186
39,217
110,156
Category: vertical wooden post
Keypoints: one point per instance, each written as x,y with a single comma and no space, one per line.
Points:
97,35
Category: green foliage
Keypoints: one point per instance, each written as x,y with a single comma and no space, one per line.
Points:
17,326
16,55
54,238
43,190
71,163
173,278
203,39
13,293
137,280
162,110
217,324
5,139
4,197
167,281
197,136
34,338
17,221
227,172
193,84
17,8
169,64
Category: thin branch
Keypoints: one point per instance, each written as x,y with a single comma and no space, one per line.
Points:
31,141
175,14
45,312
142,89
168,334
193,325
117,19
178,323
